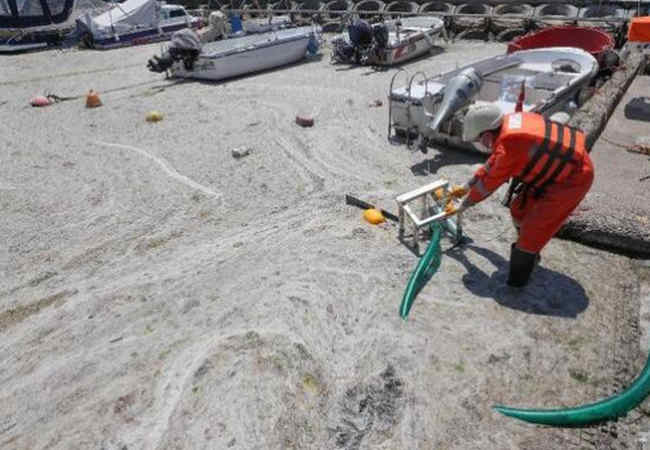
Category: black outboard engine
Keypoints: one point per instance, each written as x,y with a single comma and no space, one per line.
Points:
380,31
342,51
185,46
360,33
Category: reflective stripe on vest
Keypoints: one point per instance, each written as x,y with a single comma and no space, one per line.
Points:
552,154
538,152
564,159
542,179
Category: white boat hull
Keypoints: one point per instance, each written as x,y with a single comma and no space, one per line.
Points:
406,39
548,90
415,38
272,51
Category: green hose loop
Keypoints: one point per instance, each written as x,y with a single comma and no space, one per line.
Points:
608,409
428,265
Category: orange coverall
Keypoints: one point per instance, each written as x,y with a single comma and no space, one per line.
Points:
552,164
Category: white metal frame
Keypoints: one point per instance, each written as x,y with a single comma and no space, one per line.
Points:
431,209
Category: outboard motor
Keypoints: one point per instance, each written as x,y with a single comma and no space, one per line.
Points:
458,93
342,51
185,46
380,31
360,33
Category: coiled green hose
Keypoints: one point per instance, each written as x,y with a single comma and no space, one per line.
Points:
608,409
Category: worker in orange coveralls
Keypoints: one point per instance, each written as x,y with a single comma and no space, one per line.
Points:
550,169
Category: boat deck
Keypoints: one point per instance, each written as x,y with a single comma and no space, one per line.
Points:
233,45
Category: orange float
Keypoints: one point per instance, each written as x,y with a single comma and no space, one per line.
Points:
92,99
374,216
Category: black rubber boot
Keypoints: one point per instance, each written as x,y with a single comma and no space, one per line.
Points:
521,266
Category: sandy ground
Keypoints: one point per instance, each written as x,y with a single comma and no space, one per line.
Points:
157,293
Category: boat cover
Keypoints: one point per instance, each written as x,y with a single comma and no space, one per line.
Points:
34,13
123,18
639,30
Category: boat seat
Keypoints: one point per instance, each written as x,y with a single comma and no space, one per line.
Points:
552,81
542,80
485,68
541,87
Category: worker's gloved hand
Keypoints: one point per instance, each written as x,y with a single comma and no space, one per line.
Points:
450,208
458,191
466,203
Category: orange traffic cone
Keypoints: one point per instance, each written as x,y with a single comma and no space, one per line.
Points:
92,99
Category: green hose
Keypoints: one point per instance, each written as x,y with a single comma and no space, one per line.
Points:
428,265
607,409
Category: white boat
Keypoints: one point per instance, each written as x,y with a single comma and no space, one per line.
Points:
262,25
222,26
238,56
389,43
134,22
432,108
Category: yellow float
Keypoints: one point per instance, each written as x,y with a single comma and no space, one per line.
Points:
154,116
374,216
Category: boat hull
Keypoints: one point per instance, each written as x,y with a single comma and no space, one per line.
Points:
417,45
590,39
141,37
406,39
268,55
547,90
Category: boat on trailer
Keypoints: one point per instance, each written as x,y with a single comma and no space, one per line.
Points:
388,43
544,80
217,60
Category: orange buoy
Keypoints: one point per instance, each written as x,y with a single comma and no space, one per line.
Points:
374,216
92,99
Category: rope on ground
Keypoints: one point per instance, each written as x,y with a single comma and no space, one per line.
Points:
643,149
58,98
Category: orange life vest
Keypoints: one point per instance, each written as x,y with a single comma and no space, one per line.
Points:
552,150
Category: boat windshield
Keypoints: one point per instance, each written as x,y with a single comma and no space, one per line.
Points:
33,13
